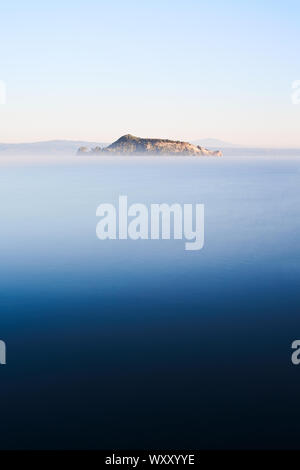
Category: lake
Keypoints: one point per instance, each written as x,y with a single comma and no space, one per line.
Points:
123,344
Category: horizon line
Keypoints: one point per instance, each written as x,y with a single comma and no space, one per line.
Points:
227,144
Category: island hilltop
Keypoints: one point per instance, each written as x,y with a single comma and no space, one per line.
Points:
131,145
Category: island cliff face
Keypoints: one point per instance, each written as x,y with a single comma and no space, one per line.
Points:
131,145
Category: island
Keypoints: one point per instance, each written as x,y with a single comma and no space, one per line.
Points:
131,145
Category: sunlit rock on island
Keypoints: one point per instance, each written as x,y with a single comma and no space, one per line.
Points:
131,145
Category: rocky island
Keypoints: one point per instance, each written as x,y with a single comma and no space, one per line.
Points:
131,145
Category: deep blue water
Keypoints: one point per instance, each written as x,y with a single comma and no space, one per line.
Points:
141,344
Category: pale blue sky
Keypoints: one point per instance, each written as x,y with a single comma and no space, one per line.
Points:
95,69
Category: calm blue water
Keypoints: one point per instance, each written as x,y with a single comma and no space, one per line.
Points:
141,344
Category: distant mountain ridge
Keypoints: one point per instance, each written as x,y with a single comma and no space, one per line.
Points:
214,143
51,147
129,145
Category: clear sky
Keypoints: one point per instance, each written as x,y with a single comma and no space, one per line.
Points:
192,69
